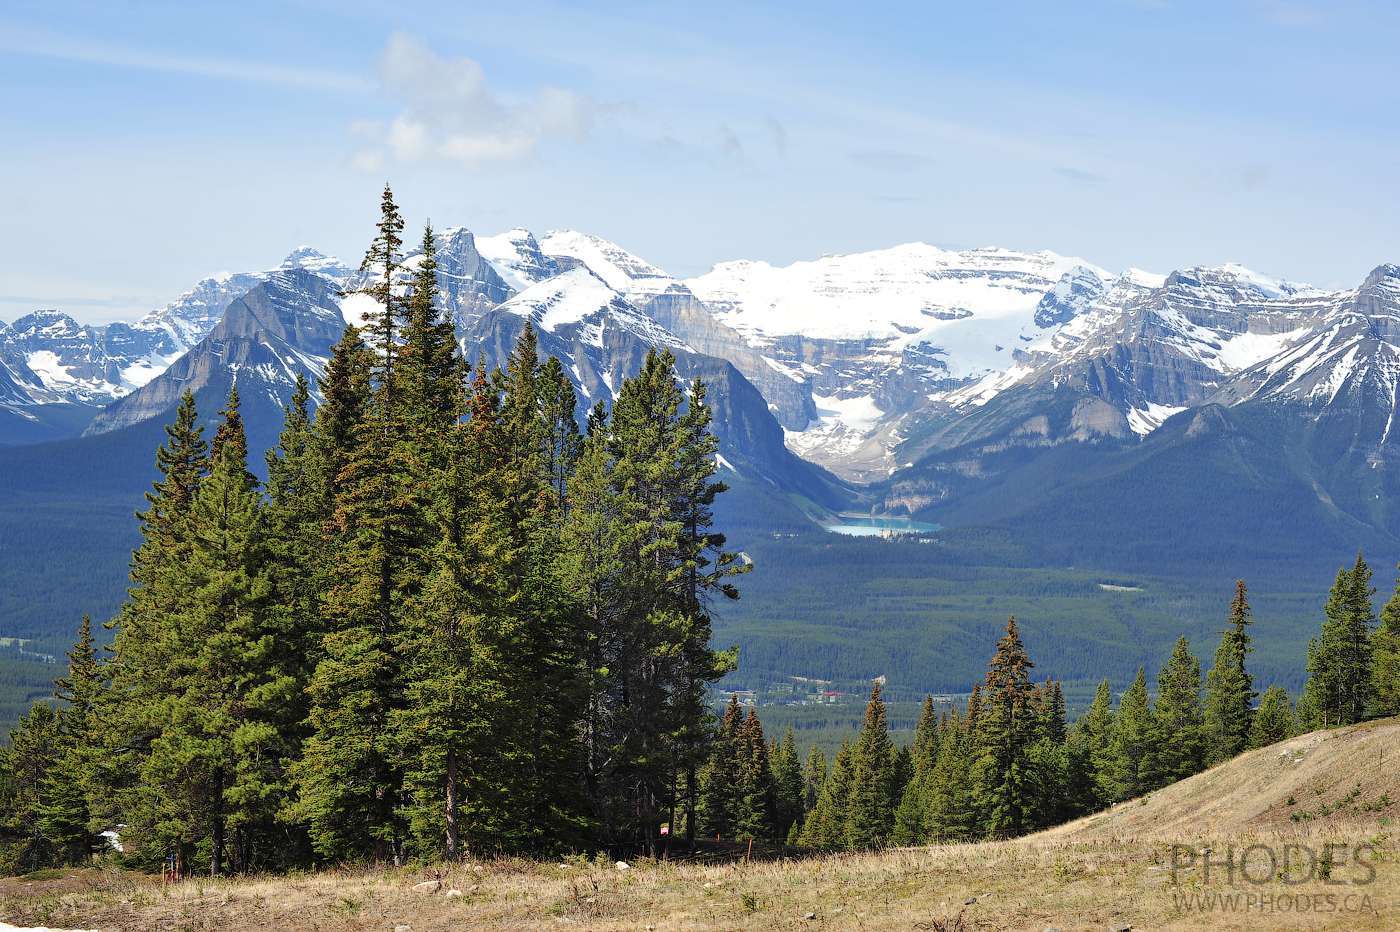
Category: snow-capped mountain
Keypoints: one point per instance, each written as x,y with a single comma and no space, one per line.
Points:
879,335
51,358
282,327
925,371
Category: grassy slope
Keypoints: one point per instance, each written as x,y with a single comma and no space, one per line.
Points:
1101,872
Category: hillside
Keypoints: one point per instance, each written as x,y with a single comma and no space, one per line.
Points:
1325,778
1108,871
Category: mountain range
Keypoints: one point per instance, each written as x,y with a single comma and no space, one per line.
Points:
1062,423
896,380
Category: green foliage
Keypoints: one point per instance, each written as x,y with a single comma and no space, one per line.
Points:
1178,744
872,796
1340,676
1273,720
1229,688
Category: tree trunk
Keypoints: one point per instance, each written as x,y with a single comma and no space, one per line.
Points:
453,840
216,846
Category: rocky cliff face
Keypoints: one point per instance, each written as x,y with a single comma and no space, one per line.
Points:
284,326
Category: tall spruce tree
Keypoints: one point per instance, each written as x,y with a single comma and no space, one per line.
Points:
1125,770
1340,675
148,643
1273,720
1229,700
787,786
1089,780
350,782
65,816
1385,646
720,780
951,808
825,826
1006,785
1177,747
755,814
871,799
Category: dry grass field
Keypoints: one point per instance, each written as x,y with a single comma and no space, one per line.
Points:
1317,815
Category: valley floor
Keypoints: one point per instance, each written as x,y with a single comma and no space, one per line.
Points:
1141,865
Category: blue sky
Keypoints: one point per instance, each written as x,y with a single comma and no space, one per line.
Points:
148,144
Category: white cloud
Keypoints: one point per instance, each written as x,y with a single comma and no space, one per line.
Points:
449,112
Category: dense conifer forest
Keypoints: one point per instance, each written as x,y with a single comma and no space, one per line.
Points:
452,620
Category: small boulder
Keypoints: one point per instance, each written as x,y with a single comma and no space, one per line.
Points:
403,927
810,916
453,894
1120,927
969,901
428,886
623,866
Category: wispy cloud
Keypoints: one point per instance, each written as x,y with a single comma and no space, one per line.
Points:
1079,175
889,160
24,41
449,112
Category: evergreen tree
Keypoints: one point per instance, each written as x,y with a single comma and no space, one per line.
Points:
1007,788
1178,739
1385,645
754,818
1340,675
813,778
787,786
924,750
381,267
26,766
563,443
1229,690
1125,770
1273,720
720,779
148,642
217,770
871,800
826,825
951,808
65,815
1090,783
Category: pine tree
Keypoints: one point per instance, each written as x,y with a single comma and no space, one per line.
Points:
1273,720
787,786
26,766
381,266
1089,780
924,750
1178,738
216,774
1229,690
871,801
951,809
1385,646
65,815
813,778
563,443
148,643
1125,766
720,780
1340,674
826,825
1006,784
755,814
349,779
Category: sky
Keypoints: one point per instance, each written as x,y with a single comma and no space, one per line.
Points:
147,145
